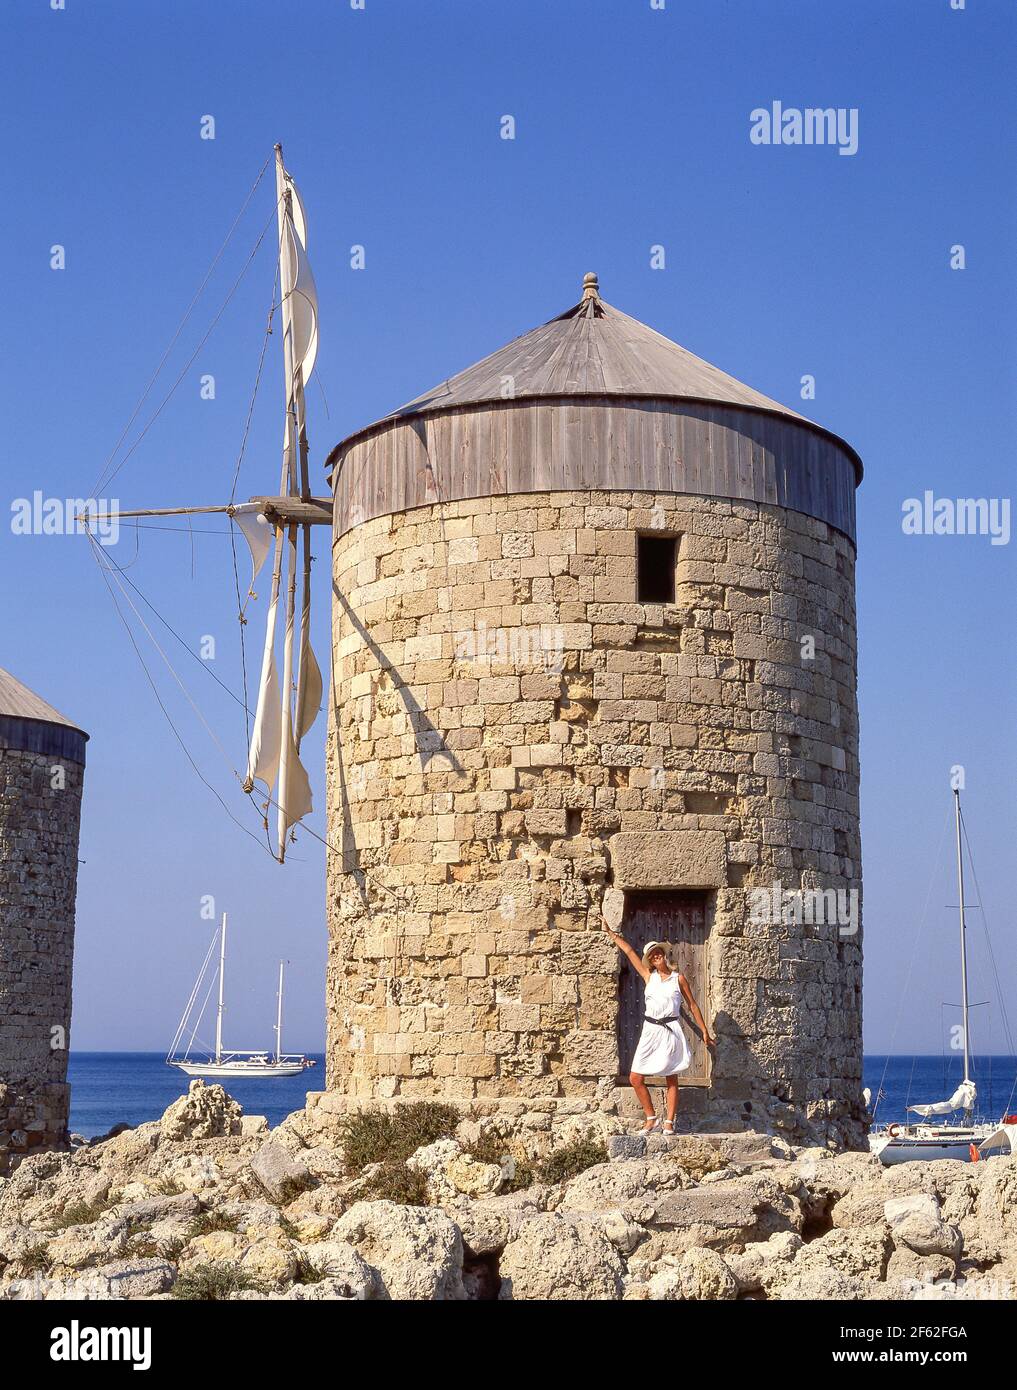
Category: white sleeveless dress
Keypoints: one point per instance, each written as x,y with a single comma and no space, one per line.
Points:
662,1049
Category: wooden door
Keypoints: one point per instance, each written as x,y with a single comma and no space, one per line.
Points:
682,919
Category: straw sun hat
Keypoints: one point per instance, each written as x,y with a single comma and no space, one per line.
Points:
664,946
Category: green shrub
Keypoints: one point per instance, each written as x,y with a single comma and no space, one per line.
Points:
168,1187
213,1283
35,1259
522,1178
422,1122
308,1272
490,1149
378,1136
394,1182
571,1160
208,1221
79,1214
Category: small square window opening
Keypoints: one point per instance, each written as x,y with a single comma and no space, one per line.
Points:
657,560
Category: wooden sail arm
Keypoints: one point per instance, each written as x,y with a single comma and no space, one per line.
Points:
315,511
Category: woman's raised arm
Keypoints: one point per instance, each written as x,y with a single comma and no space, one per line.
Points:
627,950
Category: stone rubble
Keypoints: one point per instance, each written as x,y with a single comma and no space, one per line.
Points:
704,1218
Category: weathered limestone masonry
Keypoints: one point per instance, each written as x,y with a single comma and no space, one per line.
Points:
513,730
41,776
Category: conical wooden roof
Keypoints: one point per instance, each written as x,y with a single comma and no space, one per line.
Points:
592,349
18,702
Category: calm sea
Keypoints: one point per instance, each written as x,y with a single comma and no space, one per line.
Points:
110,1087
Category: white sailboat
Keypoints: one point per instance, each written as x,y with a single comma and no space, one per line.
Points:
236,1061
930,1138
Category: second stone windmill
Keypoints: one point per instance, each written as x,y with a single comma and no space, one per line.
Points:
593,628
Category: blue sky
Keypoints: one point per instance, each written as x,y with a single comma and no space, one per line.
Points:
632,130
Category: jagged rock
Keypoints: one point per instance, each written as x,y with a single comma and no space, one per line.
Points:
270,1261
348,1274
488,1226
137,1278
905,1265
560,1259
321,1162
178,1204
915,1224
835,1175
417,1252
452,1174
726,1214
193,1172
996,1206
251,1125
623,1233
225,1246
764,1265
327,1202
279,1173
16,1239
610,1185
823,1282
705,1276
625,1146
861,1251
700,1154
253,1219
203,1113
311,1228
81,1246
124,1153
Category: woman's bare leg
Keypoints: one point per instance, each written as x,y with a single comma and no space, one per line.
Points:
672,1098
639,1086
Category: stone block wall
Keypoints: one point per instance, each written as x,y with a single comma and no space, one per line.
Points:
511,730
39,821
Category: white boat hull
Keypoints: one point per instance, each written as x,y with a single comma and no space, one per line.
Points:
242,1070
928,1148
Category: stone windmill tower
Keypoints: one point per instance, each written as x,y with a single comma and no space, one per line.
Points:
42,767
594,626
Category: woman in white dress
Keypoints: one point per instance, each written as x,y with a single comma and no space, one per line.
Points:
662,1049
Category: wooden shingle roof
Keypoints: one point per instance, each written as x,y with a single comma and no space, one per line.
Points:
18,702
592,349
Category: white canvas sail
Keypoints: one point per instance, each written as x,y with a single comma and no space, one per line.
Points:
256,532
295,797
311,689
266,738
962,1099
287,707
303,303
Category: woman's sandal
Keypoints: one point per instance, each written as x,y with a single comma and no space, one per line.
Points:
651,1126
668,1129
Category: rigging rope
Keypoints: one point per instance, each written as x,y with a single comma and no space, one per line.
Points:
180,326
992,958
105,572
193,995
187,365
241,604
911,966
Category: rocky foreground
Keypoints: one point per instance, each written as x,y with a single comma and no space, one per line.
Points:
206,1203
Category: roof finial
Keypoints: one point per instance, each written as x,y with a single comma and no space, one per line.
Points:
591,289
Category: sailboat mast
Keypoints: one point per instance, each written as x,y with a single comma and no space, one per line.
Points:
278,1017
963,937
222,985
287,485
